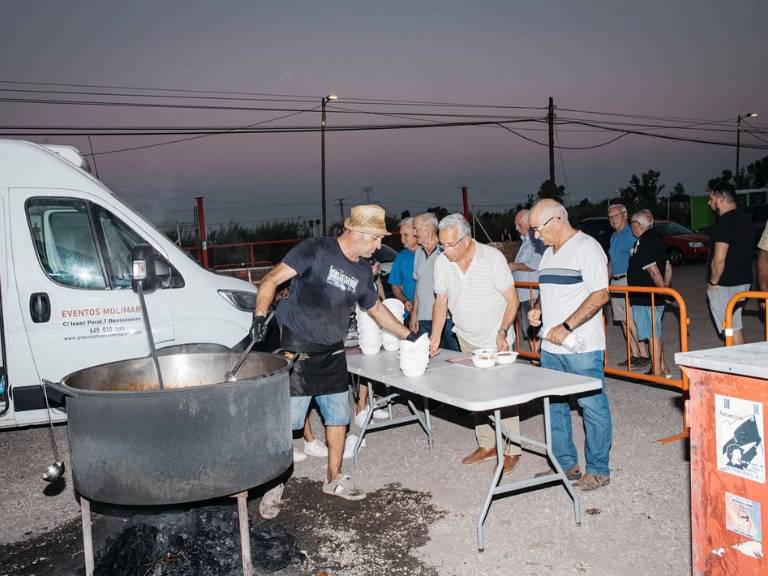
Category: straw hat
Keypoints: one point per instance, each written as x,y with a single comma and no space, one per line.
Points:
368,219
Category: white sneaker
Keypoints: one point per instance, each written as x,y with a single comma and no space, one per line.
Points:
360,417
315,448
381,414
298,455
349,446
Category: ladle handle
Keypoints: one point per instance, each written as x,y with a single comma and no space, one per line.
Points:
247,351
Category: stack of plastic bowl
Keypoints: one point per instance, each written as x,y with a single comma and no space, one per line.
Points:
368,333
390,341
414,356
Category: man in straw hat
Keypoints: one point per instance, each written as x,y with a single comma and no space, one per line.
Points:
329,276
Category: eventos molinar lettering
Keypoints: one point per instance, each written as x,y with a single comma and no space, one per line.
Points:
103,311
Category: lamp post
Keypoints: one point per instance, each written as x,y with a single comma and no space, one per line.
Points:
323,103
738,141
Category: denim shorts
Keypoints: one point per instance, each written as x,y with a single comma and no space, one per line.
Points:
334,409
642,317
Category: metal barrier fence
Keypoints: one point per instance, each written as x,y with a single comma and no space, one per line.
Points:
735,299
655,293
243,254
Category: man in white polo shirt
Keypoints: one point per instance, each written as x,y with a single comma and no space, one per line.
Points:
573,288
474,282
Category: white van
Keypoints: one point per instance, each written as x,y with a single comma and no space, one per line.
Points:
65,284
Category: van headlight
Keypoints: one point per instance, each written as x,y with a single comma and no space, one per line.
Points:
245,301
695,245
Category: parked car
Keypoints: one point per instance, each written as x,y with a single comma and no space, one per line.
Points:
683,244
599,228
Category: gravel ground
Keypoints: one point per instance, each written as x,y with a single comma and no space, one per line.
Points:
421,516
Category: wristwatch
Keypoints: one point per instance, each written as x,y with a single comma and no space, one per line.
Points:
505,330
567,327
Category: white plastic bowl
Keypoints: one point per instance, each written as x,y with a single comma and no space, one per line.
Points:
484,358
506,357
413,372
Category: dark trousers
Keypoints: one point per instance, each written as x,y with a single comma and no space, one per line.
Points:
448,339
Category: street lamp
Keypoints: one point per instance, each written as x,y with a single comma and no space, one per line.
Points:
323,102
738,141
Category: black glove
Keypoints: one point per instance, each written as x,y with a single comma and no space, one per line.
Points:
259,329
413,336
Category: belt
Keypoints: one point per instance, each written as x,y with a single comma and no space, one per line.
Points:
618,276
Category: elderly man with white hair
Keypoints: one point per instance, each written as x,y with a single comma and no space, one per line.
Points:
649,266
525,268
573,288
474,282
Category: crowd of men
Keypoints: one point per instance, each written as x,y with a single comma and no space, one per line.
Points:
462,294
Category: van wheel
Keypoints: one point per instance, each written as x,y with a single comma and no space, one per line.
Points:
675,256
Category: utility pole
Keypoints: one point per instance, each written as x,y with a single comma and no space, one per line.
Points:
340,203
551,122
367,190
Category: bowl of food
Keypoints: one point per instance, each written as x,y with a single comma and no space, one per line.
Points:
484,358
506,357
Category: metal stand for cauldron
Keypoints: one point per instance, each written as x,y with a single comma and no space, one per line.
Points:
242,514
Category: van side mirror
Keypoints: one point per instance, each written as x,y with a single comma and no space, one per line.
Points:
141,267
148,269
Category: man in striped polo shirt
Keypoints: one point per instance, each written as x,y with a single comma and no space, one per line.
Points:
474,282
573,288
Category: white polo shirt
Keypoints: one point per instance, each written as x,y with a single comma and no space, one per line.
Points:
566,279
475,297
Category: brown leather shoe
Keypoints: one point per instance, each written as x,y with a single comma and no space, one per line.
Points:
510,463
479,455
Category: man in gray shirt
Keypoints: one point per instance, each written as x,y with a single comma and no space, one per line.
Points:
425,225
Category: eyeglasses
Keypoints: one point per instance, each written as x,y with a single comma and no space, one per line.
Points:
452,245
536,229
635,222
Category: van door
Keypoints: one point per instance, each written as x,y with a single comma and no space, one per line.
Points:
71,256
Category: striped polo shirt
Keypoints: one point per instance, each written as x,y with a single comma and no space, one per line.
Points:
475,297
566,279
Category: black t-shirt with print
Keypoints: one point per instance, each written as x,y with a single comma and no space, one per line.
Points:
648,249
324,291
735,229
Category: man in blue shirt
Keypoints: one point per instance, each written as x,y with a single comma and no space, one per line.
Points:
622,241
401,275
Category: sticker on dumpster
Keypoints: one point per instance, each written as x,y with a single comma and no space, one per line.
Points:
739,429
743,516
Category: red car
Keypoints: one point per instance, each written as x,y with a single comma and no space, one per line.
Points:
683,244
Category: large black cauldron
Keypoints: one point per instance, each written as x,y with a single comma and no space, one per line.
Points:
199,438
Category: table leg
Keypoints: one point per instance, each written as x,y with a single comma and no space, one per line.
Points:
556,464
371,408
428,421
494,482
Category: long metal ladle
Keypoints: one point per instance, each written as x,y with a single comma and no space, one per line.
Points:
55,469
230,376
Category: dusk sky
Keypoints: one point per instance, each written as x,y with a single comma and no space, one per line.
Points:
703,61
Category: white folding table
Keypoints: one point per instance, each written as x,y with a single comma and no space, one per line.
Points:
477,390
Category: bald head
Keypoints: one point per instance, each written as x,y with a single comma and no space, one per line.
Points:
523,222
549,219
548,208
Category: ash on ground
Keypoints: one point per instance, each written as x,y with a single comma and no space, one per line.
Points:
198,542
374,536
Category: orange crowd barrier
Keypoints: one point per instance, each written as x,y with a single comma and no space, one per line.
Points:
656,295
735,299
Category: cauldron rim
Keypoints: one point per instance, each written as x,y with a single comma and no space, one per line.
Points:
75,391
